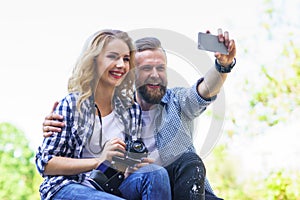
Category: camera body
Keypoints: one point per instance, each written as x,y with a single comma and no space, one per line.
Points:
109,176
135,151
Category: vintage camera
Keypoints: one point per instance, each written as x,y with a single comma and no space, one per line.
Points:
135,151
109,176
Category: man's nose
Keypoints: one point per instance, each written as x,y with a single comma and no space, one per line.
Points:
154,73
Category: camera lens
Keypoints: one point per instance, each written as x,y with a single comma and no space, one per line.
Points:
138,146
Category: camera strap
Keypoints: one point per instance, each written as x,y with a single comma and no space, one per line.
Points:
100,135
135,131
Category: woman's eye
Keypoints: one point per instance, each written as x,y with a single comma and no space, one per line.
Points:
126,59
112,56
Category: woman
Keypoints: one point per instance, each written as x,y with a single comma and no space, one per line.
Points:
99,111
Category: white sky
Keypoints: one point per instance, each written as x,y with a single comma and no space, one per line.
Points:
40,41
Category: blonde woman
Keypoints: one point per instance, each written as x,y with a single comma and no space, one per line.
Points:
99,114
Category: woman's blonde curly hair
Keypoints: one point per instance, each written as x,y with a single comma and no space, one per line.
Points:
84,76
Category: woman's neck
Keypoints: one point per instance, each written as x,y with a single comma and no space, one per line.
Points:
103,99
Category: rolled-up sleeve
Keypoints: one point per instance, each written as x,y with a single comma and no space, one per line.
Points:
201,100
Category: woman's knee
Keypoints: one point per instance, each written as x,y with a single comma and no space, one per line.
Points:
162,173
154,171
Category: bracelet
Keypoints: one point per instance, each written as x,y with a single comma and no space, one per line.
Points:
223,69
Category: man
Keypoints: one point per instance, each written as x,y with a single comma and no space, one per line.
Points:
168,114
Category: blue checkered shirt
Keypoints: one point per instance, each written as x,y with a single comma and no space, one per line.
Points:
70,142
174,122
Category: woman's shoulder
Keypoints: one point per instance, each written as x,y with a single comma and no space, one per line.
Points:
70,98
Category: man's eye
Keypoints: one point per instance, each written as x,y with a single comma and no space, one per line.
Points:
160,69
147,68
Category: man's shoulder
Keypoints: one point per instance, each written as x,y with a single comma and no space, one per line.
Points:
177,90
172,93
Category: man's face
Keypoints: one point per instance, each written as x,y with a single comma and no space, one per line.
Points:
151,75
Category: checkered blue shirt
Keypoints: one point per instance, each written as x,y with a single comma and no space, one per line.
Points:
70,142
174,122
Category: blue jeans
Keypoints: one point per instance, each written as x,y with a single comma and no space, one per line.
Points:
147,183
78,191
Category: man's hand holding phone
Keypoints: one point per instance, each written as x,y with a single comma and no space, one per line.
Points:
220,44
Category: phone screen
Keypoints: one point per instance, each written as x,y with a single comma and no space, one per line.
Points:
211,43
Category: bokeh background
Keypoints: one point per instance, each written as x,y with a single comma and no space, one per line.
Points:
257,155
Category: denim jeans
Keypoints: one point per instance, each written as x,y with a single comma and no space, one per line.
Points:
187,175
147,183
78,191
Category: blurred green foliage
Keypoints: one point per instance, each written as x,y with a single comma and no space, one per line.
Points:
272,103
282,185
19,178
275,98
280,93
223,174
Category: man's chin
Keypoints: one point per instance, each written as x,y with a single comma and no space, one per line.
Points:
152,95
154,99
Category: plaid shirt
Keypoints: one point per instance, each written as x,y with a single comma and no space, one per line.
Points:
71,140
174,122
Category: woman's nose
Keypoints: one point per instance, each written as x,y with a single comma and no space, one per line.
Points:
120,63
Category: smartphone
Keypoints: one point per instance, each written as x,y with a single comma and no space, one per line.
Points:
211,43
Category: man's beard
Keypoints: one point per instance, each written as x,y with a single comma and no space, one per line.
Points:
152,96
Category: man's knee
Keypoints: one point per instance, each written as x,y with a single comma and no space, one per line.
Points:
189,177
192,161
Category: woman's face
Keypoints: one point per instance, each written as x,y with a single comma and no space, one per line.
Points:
113,63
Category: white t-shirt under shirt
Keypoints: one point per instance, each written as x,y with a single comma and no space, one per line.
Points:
148,134
112,128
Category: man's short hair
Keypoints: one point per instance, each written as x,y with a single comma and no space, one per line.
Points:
147,43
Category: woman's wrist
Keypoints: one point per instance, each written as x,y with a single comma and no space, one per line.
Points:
103,166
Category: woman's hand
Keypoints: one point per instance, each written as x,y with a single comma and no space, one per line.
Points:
113,147
145,161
